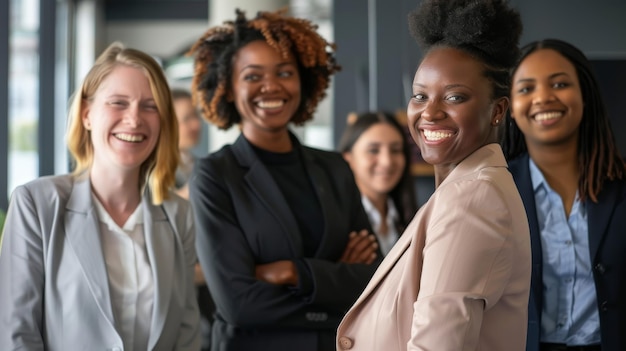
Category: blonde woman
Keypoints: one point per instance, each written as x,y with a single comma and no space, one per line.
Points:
103,258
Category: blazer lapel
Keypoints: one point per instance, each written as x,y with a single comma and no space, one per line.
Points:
160,246
265,188
82,230
390,260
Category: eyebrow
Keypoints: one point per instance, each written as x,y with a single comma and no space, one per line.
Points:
552,76
280,65
447,87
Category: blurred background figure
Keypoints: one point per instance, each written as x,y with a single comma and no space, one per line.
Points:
375,146
189,131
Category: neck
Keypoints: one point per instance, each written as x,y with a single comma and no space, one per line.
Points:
118,193
559,166
380,203
274,141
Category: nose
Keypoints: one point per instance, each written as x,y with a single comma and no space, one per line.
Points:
269,85
543,94
132,116
384,157
432,111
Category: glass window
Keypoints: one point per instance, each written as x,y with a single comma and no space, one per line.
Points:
23,155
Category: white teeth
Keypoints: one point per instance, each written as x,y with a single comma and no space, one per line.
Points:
434,135
270,104
544,116
130,137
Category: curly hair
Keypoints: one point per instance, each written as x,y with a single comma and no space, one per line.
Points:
599,158
489,30
213,62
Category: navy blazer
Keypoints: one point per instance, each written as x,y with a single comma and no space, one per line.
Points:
607,249
243,220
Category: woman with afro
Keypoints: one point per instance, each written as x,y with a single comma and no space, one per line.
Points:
458,278
283,240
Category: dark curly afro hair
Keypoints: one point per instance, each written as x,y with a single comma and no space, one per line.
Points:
489,30
214,53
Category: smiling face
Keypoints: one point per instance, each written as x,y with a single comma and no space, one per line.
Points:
266,88
547,103
123,120
452,113
377,160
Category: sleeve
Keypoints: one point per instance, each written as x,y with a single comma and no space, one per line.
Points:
189,336
22,276
467,264
337,285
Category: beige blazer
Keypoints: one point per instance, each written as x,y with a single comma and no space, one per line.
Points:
459,277
53,280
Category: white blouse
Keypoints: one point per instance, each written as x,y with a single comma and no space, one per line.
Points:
387,241
130,276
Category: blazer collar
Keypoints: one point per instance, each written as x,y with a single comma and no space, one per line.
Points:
82,230
161,246
489,155
267,191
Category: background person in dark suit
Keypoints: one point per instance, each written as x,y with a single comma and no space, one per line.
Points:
277,221
572,179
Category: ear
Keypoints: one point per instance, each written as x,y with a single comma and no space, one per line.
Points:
229,96
84,116
347,156
499,111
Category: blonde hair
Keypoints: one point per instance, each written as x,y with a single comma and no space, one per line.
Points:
158,171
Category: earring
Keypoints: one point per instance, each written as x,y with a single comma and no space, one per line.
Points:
497,121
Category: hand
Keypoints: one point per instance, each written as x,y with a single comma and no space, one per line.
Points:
360,249
198,276
279,273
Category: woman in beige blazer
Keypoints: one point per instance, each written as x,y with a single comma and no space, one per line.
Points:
459,278
103,258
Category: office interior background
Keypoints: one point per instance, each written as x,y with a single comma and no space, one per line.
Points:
47,46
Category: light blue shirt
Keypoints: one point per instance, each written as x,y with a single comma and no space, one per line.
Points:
569,314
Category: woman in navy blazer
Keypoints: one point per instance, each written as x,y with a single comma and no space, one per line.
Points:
277,221
103,258
566,165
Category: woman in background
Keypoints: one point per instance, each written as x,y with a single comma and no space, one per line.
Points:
103,258
375,146
189,129
572,178
274,217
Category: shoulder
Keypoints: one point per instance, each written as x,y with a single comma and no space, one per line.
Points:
325,157
48,187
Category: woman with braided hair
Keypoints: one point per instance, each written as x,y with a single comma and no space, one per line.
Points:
458,279
566,164
283,239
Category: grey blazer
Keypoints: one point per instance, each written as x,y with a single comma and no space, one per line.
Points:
53,281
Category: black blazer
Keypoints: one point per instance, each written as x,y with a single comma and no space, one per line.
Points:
607,249
243,220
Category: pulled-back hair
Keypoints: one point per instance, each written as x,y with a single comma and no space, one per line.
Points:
403,194
489,30
158,171
214,53
599,158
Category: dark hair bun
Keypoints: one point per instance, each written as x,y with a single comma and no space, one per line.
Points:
489,29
